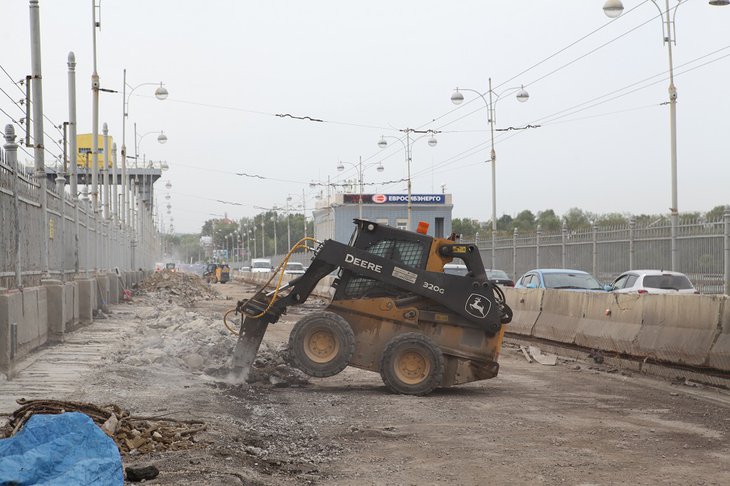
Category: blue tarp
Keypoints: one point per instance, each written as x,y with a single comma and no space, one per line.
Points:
65,449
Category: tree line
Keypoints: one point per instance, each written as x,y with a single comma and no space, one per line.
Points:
238,235
574,219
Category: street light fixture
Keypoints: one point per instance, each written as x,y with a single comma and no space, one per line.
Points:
612,9
522,95
432,142
359,167
161,139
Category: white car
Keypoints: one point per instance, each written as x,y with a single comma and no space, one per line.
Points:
294,268
653,282
261,265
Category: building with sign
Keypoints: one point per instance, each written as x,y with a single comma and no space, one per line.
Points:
333,216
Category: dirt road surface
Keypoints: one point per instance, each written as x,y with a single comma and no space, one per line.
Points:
575,423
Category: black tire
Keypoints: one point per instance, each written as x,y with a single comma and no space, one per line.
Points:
321,344
412,364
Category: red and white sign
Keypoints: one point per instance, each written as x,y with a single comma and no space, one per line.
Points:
379,198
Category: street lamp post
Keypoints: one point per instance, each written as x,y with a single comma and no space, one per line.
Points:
359,167
457,98
161,94
288,222
263,235
614,8
407,145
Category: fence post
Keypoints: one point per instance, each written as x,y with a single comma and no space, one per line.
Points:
632,224
563,251
11,155
73,152
60,185
594,229
514,254
726,217
537,246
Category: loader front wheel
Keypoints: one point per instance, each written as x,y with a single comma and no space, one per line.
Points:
411,364
321,344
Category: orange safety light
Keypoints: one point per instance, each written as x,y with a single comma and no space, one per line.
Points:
422,227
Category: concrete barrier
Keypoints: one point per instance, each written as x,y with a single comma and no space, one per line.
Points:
526,305
102,292
322,289
56,310
611,322
87,299
561,313
719,355
34,330
71,303
679,328
113,288
11,315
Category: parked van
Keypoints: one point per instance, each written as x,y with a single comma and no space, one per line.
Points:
261,265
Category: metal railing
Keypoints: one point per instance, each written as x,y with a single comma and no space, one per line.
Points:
703,247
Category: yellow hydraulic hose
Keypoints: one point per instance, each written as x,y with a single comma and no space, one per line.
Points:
299,244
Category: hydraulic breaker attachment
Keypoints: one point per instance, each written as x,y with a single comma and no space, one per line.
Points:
249,341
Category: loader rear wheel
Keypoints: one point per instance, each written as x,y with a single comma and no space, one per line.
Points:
321,344
411,364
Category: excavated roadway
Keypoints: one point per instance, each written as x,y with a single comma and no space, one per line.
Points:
573,423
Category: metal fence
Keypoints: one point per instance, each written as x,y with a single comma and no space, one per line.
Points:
78,240
703,251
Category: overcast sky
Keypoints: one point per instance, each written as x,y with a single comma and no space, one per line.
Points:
371,68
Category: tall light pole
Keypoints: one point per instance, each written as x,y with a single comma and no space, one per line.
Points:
457,98
407,145
288,222
614,8
359,167
161,94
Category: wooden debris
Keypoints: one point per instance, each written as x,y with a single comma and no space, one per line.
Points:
141,434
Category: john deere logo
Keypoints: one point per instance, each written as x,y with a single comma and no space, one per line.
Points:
379,198
478,306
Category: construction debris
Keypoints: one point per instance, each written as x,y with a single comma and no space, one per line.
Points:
543,359
133,435
177,286
137,474
271,367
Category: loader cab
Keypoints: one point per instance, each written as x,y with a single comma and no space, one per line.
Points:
405,248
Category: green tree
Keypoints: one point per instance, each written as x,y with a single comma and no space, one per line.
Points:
715,214
612,219
465,227
548,220
524,221
505,223
576,219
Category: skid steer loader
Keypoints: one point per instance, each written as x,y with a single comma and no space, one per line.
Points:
394,311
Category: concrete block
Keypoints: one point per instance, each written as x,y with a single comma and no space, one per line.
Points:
719,355
561,313
113,288
679,328
11,312
611,323
34,330
525,305
87,299
56,309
